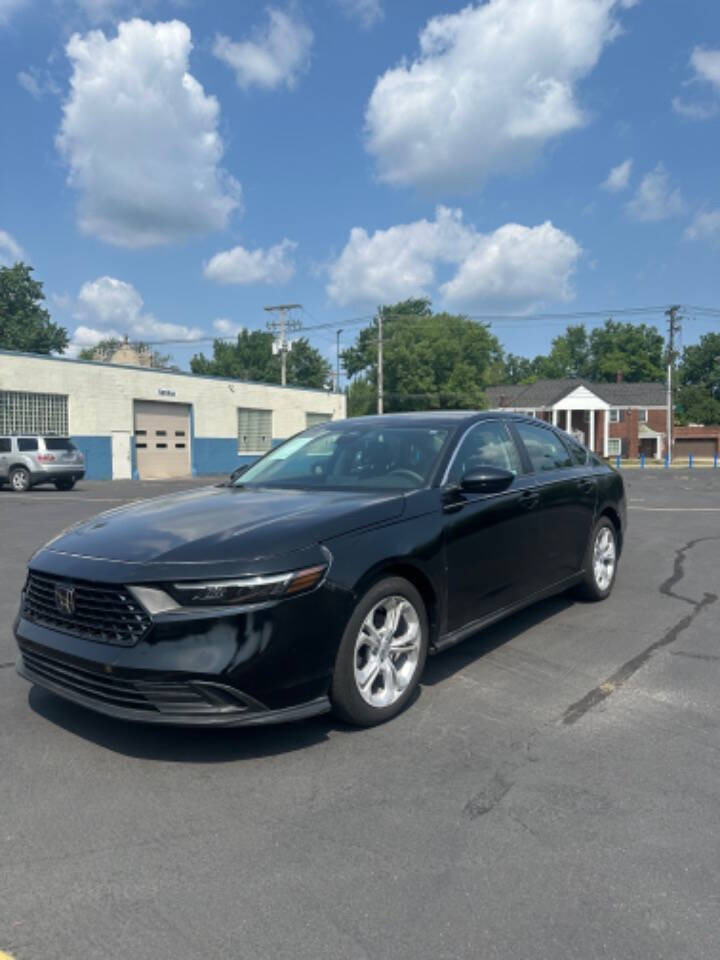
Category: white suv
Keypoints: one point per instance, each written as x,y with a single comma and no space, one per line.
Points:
27,461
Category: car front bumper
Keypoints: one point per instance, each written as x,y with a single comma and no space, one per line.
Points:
264,665
176,703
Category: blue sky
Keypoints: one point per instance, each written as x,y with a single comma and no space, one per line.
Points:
169,175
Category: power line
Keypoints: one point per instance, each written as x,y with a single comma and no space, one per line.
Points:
494,319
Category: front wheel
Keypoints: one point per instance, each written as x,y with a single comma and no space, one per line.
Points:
381,655
600,562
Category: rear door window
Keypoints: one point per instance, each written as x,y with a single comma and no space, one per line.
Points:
27,444
578,454
59,443
545,449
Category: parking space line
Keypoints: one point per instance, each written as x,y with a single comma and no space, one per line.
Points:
39,496
678,509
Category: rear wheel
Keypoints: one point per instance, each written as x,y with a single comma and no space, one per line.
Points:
381,655
64,483
600,562
19,480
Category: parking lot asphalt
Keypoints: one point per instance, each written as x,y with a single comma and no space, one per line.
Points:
552,793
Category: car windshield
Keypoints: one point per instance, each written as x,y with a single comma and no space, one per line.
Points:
362,457
59,443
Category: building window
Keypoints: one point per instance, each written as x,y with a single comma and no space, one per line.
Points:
642,415
614,447
614,415
33,413
254,430
315,419
529,413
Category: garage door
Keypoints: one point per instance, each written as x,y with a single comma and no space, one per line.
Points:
162,439
700,447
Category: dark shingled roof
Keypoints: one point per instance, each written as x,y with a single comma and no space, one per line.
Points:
545,393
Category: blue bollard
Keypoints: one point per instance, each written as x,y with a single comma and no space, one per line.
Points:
715,460
642,461
617,461
667,460
690,460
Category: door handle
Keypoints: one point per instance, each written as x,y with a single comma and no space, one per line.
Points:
529,499
586,484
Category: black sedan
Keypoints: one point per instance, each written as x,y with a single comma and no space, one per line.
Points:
322,577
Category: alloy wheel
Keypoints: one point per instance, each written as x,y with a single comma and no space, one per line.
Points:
387,651
604,558
19,481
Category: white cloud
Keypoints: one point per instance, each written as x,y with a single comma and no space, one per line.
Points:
517,264
239,265
514,264
619,177
10,249
108,307
654,199
8,8
705,65
140,136
38,83
274,57
227,328
492,84
366,12
706,225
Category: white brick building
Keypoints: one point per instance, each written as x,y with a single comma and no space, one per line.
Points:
132,421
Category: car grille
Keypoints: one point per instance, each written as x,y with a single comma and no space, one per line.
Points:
102,612
171,697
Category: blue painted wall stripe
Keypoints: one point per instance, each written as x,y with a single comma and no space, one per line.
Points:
98,456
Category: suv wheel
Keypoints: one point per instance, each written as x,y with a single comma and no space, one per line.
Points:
65,484
381,655
19,480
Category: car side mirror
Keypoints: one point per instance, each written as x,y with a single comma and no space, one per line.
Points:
486,480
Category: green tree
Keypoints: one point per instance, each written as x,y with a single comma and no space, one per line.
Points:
520,369
250,357
635,350
24,323
430,361
569,355
104,350
698,395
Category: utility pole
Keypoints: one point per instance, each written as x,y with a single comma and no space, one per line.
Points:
281,327
337,361
380,364
673,328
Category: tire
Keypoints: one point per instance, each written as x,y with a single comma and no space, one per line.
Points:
600,566
19,480
64,484
367,653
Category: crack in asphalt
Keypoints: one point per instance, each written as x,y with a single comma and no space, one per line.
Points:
486,799
595,696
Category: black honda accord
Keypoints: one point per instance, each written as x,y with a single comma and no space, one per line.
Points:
323,576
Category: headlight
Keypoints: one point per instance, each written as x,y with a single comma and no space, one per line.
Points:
248,589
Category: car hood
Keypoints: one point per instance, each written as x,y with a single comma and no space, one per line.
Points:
224,525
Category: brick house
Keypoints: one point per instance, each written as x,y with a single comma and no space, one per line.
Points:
621,418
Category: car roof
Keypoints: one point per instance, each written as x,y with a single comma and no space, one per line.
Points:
434,418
